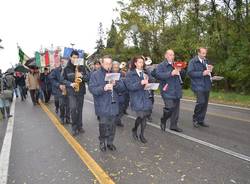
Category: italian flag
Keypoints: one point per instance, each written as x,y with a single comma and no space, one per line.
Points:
46,58
38,59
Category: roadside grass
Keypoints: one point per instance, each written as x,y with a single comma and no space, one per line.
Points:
227,98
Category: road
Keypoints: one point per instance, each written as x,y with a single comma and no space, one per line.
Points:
42,152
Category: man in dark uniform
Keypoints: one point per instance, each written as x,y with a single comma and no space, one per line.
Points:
171,90
199,72
121,95
106,103
59,92
97,65
45,84
149,68
126,95
76,98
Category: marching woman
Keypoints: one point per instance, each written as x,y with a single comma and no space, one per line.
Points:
140,101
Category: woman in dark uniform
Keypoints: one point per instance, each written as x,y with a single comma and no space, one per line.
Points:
140,101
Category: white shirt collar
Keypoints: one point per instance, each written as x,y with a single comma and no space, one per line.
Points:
200,59
138,71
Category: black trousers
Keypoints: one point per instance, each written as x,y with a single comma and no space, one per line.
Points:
126,103
76,106
22,90
107,129
200,109
121,113
57,105
47,94
64,108
34,96
171,110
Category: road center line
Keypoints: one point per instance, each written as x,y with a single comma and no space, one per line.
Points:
6,147
204,143
93,166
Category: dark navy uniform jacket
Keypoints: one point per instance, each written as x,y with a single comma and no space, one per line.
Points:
139,98
102,99
170,86
195,72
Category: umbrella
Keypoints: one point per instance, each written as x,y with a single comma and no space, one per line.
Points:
21,68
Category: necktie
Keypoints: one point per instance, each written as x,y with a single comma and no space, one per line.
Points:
141,75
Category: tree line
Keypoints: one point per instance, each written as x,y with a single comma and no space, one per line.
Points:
150,27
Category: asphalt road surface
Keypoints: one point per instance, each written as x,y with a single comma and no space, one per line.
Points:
219,154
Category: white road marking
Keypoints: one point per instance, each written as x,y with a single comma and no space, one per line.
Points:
212,114
6,147
215,104
204,143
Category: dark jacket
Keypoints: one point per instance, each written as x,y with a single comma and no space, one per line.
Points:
45,82
69,77
56,78
20,81
195,72
102,99
170,86
139,98
122,95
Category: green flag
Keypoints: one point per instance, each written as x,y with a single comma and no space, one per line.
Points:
38,61
22,56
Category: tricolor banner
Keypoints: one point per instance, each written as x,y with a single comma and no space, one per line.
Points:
46,56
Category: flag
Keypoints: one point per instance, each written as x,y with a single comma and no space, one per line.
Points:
42,59
81,53
51,59
46,58
67,52
38,59
56,58
22,56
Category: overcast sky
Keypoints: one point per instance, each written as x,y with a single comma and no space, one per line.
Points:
32,23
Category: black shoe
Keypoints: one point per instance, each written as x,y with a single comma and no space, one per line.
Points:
62,121
102,146
98,118
81,130
195,124
67,122
176,129
203,124
150,119
74,133
134,134
56,111
125,112
120,124
163,125
9,116
143,139
111,147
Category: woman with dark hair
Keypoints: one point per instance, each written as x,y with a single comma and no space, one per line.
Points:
140,101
